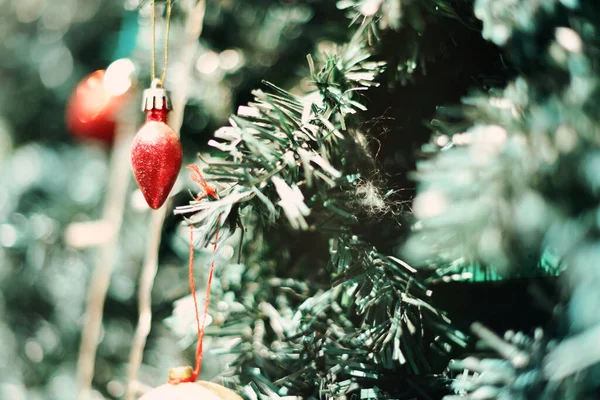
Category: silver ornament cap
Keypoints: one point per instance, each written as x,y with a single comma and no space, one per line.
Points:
156,98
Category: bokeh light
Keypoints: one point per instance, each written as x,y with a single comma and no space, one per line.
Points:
119,77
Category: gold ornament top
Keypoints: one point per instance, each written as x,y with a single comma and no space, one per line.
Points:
179,373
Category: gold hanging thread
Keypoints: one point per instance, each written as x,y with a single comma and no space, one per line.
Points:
160,81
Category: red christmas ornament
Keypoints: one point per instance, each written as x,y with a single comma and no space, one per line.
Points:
92,110
156,151
201,390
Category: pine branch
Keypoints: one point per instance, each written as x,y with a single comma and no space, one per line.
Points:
516,374
520,180
372,324
295,154
287,146
498,172
281,141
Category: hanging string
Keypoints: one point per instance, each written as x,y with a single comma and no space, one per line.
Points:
197,177
161,81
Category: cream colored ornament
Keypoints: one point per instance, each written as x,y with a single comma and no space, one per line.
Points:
200,390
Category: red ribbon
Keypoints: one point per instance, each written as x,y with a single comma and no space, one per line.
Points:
197,177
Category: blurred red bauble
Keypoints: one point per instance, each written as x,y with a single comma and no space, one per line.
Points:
92,110
96,101
156,151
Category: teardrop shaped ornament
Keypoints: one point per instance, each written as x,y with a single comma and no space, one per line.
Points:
156,153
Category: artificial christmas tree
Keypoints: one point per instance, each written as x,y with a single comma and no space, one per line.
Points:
335,274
